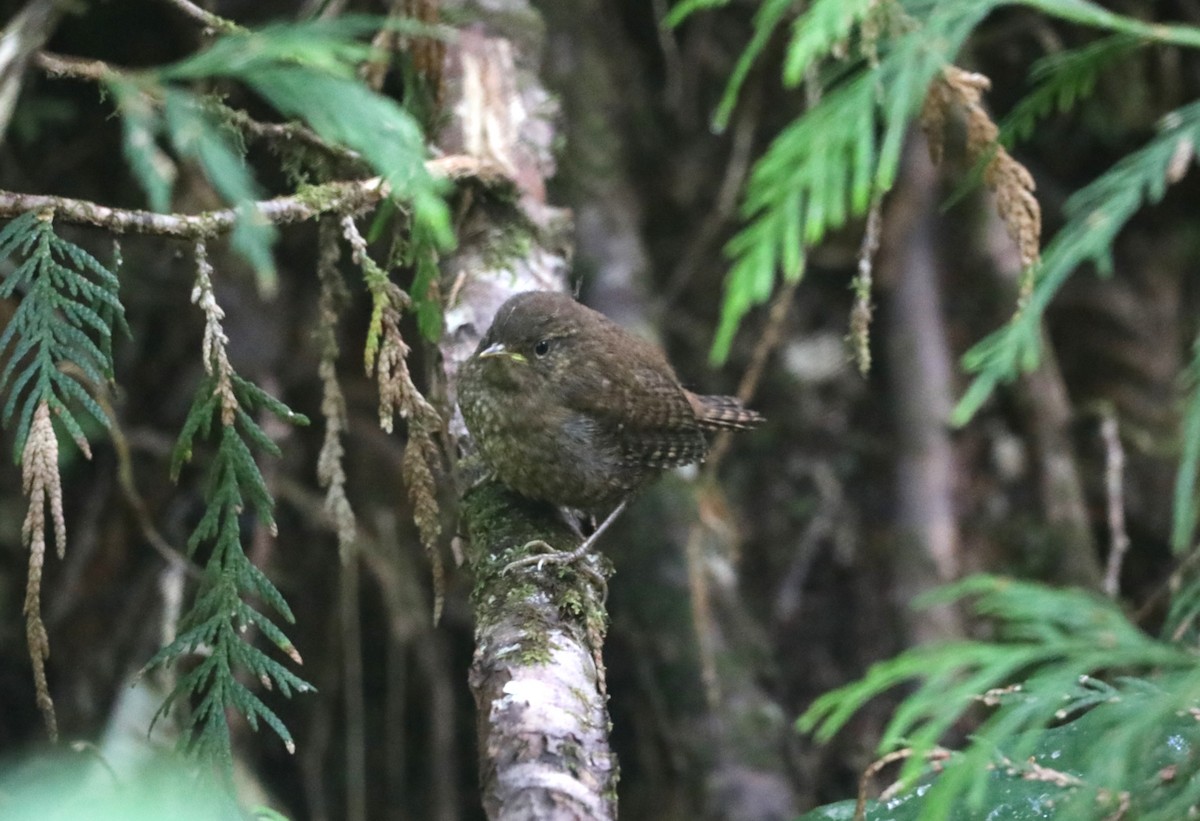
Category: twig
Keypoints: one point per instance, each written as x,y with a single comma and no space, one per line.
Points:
698,585
702,615
1033,771
216,23
98,71
343,197
455,167
133,498
286,132
1114,469
673,62
937,754
861,313
1165,590
338,197
76,68
718,216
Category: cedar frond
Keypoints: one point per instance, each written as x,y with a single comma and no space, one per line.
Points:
1095,214
386,357
58,338
41,482
220,617
1008,179
61,330
331,472
422,457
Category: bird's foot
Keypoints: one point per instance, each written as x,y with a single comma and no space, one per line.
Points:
577,558
548,555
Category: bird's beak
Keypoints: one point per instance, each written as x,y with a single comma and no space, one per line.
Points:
498,349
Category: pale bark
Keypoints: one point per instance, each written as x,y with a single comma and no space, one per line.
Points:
537,676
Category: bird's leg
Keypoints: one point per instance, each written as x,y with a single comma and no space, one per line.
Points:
552,556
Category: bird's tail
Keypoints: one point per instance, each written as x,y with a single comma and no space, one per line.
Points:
724,412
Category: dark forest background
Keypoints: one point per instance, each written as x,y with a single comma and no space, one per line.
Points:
745,598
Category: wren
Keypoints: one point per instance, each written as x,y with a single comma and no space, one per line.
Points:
567,407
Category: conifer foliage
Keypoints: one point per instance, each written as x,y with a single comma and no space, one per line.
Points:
344,149
220,618
58,343
1086,714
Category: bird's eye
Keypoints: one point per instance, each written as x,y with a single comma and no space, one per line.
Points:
542,348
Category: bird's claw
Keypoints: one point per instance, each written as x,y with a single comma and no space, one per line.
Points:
549,555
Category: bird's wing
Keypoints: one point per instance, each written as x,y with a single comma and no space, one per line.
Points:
644,415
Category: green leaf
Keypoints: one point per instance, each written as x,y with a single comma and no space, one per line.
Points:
64,318
141,126
1096,214
220,612
686,8
196,135
825,25
1183,526
766,20
344,111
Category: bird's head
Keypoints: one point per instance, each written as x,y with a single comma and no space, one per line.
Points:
531,339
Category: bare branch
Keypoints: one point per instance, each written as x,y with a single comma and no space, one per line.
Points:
335,197
76,68
1114,484
342,197
861,313
216,23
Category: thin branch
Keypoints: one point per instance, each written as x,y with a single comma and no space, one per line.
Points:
335,197
133,497
173,556
216,23
537,674
353,700
343,197
286,132
1114,469
98,71
861,313
75,68
698,580
935,756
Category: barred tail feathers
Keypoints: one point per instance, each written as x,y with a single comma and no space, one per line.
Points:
723,412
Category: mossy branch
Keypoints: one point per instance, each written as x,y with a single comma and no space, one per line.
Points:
537,675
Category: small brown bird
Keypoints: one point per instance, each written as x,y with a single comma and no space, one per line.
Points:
568,407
